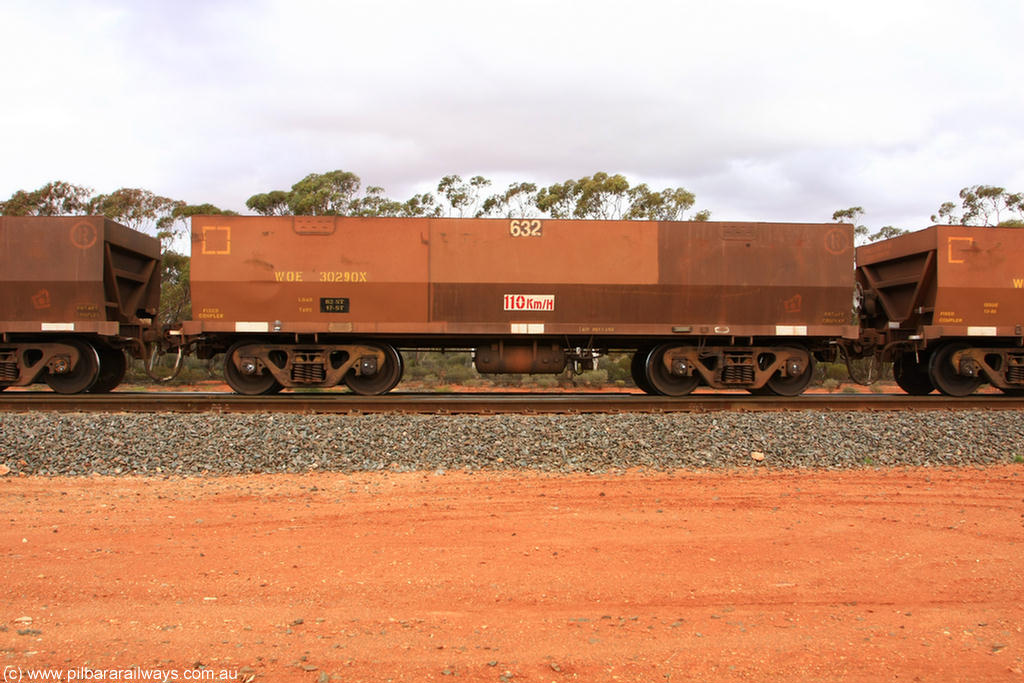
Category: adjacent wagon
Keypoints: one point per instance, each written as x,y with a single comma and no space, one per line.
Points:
946,305
77,293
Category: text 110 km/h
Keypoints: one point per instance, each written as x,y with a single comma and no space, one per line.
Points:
529,302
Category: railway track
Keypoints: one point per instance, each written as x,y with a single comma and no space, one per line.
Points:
486,404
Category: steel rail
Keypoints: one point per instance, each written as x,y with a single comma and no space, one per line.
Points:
485,403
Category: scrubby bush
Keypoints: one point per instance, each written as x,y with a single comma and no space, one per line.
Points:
546,381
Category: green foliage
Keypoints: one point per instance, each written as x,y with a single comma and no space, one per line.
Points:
518,201
335,194
557,200
462,197
617,366
136,208
983,205
668,205
887,232
324,194
591,378
609,197
273,203
432,366
599,196
56,198
420,205
374,203
836,371
852,215
175,294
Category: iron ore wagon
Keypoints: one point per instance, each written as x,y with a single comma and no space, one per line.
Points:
77,293
947,305
301,301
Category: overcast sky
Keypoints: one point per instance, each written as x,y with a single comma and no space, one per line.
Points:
782,110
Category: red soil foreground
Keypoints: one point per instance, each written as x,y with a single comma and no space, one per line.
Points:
760,575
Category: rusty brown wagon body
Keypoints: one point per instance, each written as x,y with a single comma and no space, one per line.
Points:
299,300
946,304
76,292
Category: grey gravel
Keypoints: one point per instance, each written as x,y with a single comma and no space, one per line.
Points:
188,444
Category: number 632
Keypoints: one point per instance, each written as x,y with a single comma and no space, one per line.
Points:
525,228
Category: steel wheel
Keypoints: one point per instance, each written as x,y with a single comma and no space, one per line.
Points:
637,370
113,366
661,380
945,377
912,376
83,376
791,386
382,381
248,385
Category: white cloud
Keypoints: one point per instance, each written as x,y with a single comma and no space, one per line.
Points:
783,110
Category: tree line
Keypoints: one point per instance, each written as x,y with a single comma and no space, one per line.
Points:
598,196
980,205
601,196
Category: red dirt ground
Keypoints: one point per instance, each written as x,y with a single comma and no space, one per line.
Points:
730,576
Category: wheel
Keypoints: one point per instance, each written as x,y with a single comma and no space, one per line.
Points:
84,374
113,366
945,377
790,386
382,381
637,371
912,376
248,385
661,380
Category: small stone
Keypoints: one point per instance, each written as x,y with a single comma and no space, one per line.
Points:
4,469
23,620
757,455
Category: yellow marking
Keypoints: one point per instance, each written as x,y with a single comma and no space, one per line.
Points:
343,276
217,239
1018,282
835,318
211,314
88,311
970,242
525,228
288,275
